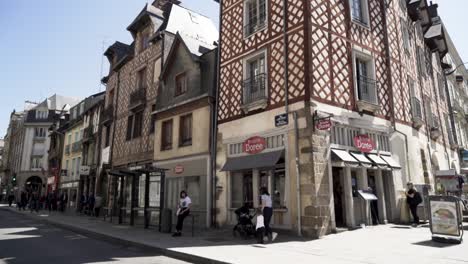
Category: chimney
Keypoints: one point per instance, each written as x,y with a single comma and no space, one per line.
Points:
161,4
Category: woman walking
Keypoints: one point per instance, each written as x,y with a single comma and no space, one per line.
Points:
267,208
183,210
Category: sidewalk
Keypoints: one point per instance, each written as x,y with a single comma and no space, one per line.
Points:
382,244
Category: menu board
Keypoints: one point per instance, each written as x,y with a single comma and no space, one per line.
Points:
444,216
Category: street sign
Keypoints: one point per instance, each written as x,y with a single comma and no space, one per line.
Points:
364,143
281,120
179,169
254,145
84,170
323,123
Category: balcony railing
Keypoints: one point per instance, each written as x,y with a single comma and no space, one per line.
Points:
416,107
255,89
77,146
88,134
367,89
137,98
108,114
67,149
254,26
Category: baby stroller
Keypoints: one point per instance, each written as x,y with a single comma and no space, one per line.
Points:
244,227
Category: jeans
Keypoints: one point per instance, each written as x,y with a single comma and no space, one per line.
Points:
414,212
180,220
267,214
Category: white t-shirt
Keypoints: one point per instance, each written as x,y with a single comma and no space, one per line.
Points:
185,202
260,222
266,201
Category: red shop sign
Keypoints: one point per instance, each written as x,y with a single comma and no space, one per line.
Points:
178,169
254,145
323,124
364,143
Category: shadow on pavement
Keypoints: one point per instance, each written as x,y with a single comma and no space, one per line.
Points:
430,243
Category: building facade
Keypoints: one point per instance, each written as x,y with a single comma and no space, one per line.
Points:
363,86
132,87
30,138
70,180
184,118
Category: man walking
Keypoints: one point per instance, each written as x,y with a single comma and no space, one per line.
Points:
413,198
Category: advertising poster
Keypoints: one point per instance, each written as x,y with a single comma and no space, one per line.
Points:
444,218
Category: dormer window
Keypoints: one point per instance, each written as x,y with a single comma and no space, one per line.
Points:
42,114
181,84
144,40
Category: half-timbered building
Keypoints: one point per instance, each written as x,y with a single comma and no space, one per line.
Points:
341,97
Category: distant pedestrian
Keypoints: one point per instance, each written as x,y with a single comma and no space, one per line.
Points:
91,203
23,200
11,198
413,198
97,205
34,202
183,211
260,226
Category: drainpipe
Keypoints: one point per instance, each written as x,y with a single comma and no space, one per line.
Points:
214,117
389,77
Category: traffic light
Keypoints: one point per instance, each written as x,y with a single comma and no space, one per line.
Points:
13,180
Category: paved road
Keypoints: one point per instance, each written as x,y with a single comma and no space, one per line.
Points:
24,240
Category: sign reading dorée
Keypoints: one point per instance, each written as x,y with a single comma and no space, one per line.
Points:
254,145
364,143
323,124
179,169
281,120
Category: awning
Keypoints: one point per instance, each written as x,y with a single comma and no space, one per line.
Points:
362,159
116,173
446,173
345,157
391,162
377,160
263,160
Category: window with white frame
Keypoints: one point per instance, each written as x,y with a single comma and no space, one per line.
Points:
36,163
360,11
40,132
255,16
255,78
366,84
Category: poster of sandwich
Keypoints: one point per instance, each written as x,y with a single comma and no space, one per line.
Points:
444,218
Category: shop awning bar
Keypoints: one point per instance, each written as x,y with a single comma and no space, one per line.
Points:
363,160
264,160
391,162
345,157
446,173
377,160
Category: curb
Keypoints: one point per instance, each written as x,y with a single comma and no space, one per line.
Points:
116,240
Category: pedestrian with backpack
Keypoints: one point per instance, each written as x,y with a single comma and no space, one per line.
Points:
413,198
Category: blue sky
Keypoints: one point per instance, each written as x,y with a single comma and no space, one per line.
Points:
55,46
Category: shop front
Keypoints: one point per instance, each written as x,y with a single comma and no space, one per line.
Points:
361,162
71,189
189,174
253,163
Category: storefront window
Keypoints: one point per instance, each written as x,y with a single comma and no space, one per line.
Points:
278,187
192,185
242,189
